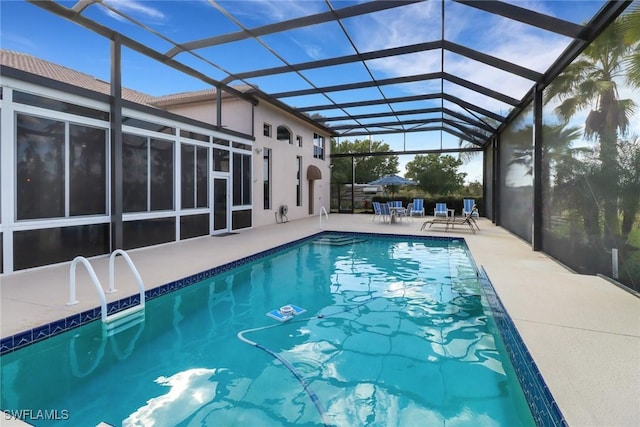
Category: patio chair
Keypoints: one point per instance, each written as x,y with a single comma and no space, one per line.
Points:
467,220
377,212
385,212
417,207
441,210
469,208
451,222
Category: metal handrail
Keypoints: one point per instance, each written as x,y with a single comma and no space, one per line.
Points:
322,209
133,269
101,294
94,279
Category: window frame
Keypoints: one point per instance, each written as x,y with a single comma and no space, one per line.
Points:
267,130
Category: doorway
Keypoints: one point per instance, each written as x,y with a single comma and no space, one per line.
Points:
220,223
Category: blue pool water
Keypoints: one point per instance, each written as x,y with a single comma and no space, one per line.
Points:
395,333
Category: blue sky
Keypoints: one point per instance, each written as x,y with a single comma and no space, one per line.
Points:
27,28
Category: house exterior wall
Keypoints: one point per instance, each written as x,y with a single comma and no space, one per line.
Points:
236,113
283,177
56,174
284,173
56,195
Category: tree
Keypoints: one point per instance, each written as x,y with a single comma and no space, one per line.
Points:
631,27
436,174
629,162
367,168
467,156
591,81
473,189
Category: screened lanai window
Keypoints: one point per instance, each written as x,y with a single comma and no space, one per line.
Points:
42,147
193,176
241,179
148,174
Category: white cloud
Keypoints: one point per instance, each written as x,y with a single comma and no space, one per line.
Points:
137,10
263,11
16,39
504,38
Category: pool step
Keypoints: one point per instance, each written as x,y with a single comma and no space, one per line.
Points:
337,240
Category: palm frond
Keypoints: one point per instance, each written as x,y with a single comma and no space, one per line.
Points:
630,24
594,124
632,66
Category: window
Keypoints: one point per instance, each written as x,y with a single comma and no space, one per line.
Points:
56,105
148,173
220,160
42,190
299,140
266,159
299,182
161,182
241,146
194,135
193,177
135,173
143,124
87,170
266,130
241,179
284,134
220,141
318,146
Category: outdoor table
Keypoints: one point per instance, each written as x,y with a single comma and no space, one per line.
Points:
395,211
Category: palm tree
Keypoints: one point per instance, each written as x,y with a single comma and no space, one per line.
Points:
631,27
468,156
590,82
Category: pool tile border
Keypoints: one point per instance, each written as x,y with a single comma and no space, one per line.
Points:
543,407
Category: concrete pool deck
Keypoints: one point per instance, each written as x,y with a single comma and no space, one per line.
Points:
582,331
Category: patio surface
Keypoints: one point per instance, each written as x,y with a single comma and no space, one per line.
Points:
582,331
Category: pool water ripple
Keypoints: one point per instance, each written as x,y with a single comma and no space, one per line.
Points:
396,333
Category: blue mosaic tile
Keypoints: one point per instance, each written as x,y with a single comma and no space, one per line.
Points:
113,307
57,327
22,339
6,345
72,321
41,332
86,316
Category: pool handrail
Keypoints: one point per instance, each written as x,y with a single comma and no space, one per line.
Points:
322,209
132,267
119,317
94,279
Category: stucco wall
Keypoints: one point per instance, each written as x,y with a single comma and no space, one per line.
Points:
236,113
284,166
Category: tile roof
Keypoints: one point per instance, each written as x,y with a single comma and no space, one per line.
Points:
31,64
40,67
194,96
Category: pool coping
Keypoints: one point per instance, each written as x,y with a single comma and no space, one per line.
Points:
542,404
544,409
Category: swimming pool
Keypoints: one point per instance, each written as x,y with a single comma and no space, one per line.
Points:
396,331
